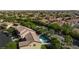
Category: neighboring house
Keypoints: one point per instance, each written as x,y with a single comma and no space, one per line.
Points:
73,21
29,38
9,25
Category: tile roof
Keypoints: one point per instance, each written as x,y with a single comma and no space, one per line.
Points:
27,34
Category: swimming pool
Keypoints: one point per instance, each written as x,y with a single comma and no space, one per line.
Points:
44,39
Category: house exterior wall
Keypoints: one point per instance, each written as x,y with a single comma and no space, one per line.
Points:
33,45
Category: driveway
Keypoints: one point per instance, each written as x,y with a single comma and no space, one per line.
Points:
3,39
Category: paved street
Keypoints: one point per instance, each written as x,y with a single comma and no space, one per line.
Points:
3,39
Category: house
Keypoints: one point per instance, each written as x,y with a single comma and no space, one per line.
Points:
29,38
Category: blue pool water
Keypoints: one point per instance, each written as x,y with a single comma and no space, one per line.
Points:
44,39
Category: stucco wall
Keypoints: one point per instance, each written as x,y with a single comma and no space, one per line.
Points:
33,45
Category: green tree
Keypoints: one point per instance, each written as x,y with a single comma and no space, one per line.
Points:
43,47
12,32
66,28
75,33
55,26
55,43
68,40
28,24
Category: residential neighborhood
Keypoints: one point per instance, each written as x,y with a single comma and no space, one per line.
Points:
44,29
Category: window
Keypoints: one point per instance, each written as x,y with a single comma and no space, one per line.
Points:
24,39
34,44
15,24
